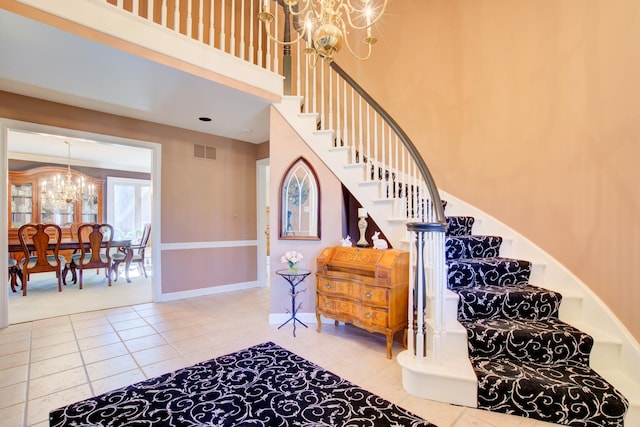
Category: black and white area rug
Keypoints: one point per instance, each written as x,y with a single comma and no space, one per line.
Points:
264,385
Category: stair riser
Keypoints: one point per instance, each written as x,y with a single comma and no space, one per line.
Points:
459,225
479,304
459,247
501,272
530,346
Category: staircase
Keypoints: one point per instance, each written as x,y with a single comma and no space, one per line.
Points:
505,348
527,361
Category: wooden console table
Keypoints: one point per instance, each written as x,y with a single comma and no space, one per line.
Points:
365,287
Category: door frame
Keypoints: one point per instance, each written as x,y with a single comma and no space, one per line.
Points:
262,201
156,161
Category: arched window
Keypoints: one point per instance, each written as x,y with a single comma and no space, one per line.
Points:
300,203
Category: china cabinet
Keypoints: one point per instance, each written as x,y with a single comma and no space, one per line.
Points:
25,202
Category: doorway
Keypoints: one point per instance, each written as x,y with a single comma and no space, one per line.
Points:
85,146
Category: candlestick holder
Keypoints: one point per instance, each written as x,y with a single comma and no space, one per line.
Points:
362,226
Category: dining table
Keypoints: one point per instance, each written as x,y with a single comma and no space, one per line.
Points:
72,244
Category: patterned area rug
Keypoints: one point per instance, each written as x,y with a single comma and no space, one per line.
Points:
264,385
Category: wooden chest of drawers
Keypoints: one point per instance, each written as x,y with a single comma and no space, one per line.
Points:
365,287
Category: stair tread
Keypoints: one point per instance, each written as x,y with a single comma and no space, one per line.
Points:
570,393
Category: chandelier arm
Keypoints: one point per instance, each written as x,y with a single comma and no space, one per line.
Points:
292,42
361,58
307,5
373,21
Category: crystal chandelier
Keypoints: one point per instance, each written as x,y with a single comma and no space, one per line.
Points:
60,193
328,23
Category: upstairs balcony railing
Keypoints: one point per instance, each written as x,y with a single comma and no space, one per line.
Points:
373,138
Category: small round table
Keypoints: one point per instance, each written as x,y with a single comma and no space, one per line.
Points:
294,279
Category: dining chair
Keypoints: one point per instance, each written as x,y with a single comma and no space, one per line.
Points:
71,266
14,274
138,253
39,256
95,247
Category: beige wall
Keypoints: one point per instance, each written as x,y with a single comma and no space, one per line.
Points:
286,147
529,110
202,200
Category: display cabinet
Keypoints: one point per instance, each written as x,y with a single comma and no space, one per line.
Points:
25,202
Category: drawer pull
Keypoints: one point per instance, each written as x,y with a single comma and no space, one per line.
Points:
367,315
329,304
368,294
328,286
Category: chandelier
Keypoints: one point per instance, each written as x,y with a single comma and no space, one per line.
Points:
328,24
61,192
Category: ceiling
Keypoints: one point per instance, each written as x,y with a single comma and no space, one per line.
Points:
45,62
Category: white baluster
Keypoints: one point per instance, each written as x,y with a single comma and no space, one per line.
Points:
339,107
323,111
150,11
260,44
135,7
344,107
164,12
354,142
176,17
306,86
189,28
232,39
331,100
360,138
251,25
242,19
120,4
223,18
200,21
298,69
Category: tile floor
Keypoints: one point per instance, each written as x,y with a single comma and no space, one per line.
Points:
48,363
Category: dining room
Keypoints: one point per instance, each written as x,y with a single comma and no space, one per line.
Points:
67,181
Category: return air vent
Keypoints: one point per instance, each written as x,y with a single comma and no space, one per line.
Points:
204,152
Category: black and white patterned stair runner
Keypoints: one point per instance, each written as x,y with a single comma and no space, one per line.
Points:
528,362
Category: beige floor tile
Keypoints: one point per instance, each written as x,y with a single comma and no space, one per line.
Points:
14,375
92,331
144,343
130,334
98,341
55,365
13,394
47,340
14,347
91,322
13,415
102,353
44,331
87,315
115,381
42,353
16,328
14,359
108,367
155,355
38,408
53,383
16,336
124,316
129,324
170,365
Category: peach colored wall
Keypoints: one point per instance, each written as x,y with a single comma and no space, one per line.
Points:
286,147
529,110
202,200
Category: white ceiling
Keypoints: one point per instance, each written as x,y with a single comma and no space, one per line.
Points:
44,62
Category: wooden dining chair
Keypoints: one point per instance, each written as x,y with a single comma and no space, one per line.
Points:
95,247
39,257
138,253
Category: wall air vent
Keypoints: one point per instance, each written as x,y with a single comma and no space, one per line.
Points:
204,152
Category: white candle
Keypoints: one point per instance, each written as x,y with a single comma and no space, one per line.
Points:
362,212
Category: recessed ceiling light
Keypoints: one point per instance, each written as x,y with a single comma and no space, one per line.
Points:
204,119
247,130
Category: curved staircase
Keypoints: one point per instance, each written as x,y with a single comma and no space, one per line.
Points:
507,344
527,361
